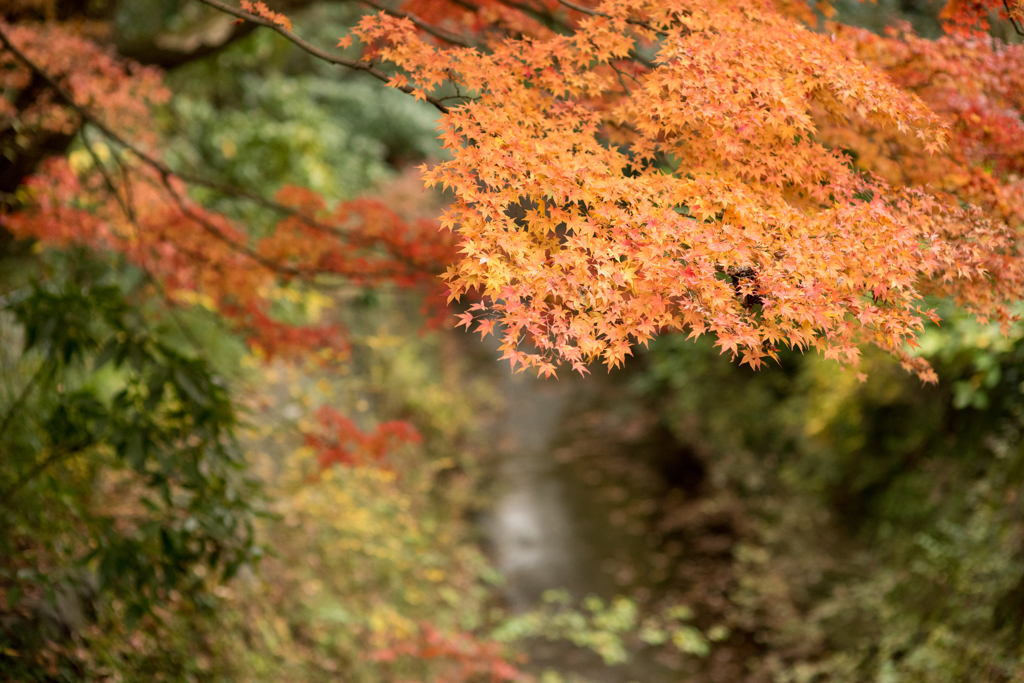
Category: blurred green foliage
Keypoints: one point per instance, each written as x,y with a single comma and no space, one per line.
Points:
888,539
614,631
131,440
262,113
121,469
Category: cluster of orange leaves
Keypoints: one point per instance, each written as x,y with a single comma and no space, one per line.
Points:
690,164
260,9
976,87
601,199
973,17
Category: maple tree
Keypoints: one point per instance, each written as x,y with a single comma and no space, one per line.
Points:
697,196
652,166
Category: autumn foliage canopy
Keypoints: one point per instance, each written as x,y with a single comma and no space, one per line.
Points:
744,169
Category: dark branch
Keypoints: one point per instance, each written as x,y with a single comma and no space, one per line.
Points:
169,56
166,173
7,496
581,9
23,396
595,13
435,31
357,65
1018,27
160,167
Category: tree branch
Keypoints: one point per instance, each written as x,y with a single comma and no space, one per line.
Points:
166,173
160,167
357,65
581,9
1018,27
596,13
22,397
152,52
7,496
435,31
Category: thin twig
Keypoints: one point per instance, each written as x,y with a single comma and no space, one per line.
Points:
1019,28
20,401
219,234
435,31
581,9
126,181
596,13
618,72
626,73
7,496
357,65
128,210
172,308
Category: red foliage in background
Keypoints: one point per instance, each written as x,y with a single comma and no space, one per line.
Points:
468,658
340,441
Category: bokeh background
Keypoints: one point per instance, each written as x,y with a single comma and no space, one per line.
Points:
680,519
